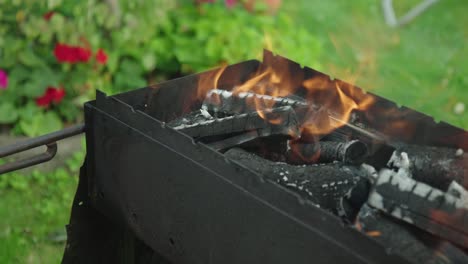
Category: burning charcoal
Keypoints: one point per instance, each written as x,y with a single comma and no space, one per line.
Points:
421,205
279,120
400,238
226,102
323,184
352,152
435,166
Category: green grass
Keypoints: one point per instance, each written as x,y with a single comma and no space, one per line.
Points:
34,210
423,65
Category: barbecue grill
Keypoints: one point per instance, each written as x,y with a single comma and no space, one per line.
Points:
156,188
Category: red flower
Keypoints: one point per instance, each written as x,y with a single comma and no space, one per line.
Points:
101,56
50,95
47,16
71,54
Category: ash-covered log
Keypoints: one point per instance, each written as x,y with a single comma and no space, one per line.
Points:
421,205
192,118
323,184
280,120
402,239
436,166
351,152
225,102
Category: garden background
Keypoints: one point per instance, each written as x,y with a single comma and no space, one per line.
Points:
54,55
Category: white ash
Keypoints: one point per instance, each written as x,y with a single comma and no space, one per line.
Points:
376,200
285,178
459,192
370,171
308,192
422,190
205,113
399,160
397,213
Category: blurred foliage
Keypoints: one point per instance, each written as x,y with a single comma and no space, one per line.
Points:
146,42
34,209
422,65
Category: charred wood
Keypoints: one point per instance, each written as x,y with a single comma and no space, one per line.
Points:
276,121
352,152
436,166
399,238
323,184
421,205
228,103
194,117
352,202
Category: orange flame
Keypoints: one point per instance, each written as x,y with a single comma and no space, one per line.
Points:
331,102
209,81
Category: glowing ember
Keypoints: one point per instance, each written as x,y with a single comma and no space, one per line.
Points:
374,233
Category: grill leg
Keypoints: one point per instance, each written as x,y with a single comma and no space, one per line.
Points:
93,238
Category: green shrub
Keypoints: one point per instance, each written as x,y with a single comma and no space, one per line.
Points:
122,45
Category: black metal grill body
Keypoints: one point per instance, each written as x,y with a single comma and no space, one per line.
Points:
151,194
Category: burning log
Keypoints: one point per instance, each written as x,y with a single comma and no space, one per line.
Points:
402,239
323,184
226,102
421,205
351,152
280,120
435,166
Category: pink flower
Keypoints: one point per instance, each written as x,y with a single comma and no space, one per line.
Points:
3,79
230,3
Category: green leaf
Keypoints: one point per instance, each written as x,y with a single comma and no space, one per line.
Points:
28,58
8,113
41,124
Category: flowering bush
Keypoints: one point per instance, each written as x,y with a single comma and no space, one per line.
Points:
54,54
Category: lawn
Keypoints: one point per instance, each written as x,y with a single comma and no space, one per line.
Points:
422,65
34,210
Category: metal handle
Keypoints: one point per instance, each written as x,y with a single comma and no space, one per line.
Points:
49,140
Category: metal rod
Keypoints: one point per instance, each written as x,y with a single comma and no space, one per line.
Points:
41,158
41,140
48,140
